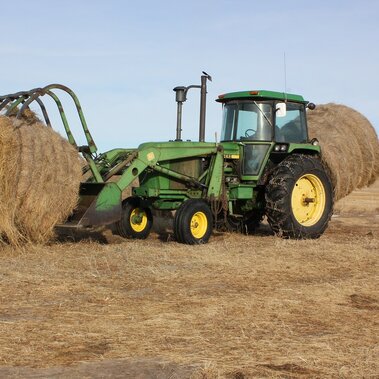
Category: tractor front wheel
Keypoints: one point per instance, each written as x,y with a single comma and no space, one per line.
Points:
299,198
136,221
193,222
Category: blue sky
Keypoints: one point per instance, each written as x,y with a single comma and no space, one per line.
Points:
123,58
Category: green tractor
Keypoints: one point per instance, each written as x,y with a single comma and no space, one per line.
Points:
264,164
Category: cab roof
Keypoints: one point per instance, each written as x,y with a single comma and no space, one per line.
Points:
261,95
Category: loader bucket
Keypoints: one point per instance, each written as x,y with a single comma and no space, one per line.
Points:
99,204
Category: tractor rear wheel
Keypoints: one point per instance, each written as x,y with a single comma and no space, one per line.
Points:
193,222
299,198
136,221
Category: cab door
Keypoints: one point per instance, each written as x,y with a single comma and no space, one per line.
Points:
254,157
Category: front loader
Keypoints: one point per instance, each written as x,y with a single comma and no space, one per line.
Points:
264,164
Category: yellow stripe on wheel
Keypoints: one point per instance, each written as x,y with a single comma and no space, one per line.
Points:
199,225
308,200
138,220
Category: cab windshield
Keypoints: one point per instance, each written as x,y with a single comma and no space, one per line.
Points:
247,120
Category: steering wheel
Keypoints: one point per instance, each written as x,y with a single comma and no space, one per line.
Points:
249,133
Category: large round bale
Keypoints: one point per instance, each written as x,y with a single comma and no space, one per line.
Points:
40,173
350,146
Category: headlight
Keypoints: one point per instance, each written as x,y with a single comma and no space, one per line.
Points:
281,148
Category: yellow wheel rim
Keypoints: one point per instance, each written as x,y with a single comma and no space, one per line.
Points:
138,220
308,200
199,225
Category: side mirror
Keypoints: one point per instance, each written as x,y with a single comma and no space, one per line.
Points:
281,109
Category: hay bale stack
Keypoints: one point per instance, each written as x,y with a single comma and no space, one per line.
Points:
40,173
349,145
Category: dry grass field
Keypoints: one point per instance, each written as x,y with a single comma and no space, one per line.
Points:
239,307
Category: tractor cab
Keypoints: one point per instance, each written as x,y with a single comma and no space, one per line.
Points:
259,120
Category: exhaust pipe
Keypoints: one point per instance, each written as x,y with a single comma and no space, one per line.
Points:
181,97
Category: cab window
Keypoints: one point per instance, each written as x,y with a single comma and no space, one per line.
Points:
291,127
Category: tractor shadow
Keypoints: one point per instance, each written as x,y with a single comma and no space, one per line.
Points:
264,230
163,229
103,235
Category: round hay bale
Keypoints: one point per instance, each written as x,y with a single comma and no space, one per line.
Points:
349,144
9,151
40,174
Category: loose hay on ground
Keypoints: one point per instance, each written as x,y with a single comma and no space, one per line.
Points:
256,306
40,173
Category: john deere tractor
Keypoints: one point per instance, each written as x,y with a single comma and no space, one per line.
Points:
264,164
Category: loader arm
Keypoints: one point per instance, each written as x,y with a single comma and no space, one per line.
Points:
151,156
